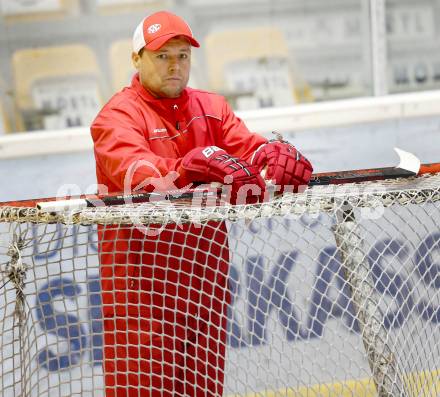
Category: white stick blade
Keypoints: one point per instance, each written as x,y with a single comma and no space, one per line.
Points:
408,161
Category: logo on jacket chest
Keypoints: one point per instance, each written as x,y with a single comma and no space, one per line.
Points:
159,131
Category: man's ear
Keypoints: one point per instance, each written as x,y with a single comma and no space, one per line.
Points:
136,59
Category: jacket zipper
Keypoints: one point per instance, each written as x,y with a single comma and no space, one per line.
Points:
176,108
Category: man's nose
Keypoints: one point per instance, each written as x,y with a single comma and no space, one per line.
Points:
173,65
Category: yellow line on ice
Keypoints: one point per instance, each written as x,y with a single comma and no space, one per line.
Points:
426,384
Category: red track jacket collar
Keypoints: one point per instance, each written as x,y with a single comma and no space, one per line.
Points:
168,105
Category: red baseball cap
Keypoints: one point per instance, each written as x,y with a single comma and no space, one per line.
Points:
156,29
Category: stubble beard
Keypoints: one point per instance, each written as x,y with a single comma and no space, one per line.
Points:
173,92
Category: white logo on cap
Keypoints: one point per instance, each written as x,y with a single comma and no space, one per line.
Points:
154,28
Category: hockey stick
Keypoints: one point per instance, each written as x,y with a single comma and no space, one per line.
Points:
54,204
409,166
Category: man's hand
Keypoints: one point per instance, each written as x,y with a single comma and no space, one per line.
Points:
212,164
283,164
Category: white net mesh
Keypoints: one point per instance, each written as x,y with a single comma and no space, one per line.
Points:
331,292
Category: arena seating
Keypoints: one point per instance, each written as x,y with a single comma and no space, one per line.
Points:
121,66
18,10
251,66
4,125
118,6
56,87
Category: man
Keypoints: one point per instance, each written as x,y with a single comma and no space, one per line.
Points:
165,297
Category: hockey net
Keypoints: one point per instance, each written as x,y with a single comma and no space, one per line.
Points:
331,292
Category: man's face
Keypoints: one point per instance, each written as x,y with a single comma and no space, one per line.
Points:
165,72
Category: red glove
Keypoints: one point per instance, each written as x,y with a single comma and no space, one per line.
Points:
285,165
212,164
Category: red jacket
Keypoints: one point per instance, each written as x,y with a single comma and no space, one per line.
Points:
135,126
169,290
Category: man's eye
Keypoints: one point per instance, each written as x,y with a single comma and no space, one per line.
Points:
162,56
183,56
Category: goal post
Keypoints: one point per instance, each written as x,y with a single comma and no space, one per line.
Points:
334,291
